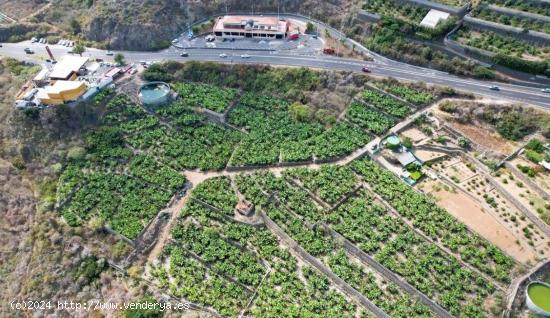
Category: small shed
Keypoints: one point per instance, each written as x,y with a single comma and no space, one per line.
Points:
245,208
432,19
406,158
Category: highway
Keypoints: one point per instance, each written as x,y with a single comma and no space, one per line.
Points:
380,66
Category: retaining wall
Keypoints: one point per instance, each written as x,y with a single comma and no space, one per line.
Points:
365,258
537,38
527,180
458,11
518,13
337,281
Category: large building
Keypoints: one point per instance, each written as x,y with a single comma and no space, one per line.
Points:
67,69
61,92
233,26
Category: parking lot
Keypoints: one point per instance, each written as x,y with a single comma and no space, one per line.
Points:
305,44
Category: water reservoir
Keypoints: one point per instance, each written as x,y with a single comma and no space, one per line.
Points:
154,94
538,298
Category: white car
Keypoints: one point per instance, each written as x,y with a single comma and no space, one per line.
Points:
174,41
109,53
545,90
223,55
245,56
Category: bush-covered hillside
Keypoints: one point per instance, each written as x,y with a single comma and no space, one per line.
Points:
147,24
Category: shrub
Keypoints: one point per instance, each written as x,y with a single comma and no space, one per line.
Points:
534,156
447,106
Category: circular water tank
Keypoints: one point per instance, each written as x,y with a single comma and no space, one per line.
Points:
537,297
154,94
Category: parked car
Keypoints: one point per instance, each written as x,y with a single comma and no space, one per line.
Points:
34,40
494,88
23,104
329,51
1,45
132,71
109,53
545,90
184,54
245,56
223,55
365,69
99,60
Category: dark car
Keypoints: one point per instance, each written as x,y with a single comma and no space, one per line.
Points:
184,54
365,69
494,88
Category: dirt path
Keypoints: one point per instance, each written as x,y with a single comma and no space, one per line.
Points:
165,234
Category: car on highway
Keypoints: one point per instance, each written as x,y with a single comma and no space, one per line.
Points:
365,69
184,54
494,88
245,56
223,55
545,90
28,51
109,53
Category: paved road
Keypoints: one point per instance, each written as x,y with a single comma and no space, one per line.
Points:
380,66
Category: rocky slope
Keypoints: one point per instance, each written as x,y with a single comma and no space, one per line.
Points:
148,24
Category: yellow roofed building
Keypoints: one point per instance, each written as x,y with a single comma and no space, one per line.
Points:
61,92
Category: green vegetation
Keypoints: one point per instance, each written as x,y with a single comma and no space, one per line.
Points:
391,38
144,311
273,132
385,103
329,183
436,222
515,21
215,261
89,269
413,95
527,6
206,96
497,43
369,119
409,13
287,83
387,238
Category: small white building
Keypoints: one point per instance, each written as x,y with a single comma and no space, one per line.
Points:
432,19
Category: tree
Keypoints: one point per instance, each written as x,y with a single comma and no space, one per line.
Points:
299,111
119,59
79,49
75,26
310,28
464,142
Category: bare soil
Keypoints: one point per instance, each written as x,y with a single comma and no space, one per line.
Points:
473,215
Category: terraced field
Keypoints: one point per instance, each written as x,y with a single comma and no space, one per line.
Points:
320,241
